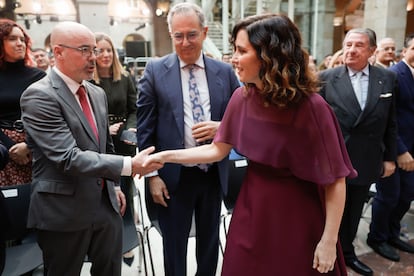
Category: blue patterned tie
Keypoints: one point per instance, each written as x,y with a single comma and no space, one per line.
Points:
197,108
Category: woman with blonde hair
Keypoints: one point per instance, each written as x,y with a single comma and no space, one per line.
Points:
122,96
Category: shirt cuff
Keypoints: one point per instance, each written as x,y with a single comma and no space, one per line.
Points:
153,173
127,166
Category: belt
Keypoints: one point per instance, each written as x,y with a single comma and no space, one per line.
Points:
116,119
12,125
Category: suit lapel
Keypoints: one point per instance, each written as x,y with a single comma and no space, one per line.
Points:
346,93
99,112
215,86
67,96
172,81
375,88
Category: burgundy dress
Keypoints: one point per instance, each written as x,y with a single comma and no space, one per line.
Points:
279,216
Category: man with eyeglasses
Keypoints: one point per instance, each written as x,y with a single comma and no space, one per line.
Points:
385,53
76,202
168,119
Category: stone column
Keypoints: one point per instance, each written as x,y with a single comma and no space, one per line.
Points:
321,29
94,14
387,18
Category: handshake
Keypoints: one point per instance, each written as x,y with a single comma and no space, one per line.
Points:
143,163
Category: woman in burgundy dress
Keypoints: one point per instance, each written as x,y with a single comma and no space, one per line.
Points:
289,209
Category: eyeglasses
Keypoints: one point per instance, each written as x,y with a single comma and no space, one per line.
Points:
85,50
191,36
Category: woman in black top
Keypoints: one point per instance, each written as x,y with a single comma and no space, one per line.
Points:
16,74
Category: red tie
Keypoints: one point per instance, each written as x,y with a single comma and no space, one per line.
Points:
87,109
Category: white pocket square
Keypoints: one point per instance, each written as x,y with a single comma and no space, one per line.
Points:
386,95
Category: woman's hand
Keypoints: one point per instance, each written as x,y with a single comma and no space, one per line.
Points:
20,153
325,256
113,129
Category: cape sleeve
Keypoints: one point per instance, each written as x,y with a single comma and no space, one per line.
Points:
307,140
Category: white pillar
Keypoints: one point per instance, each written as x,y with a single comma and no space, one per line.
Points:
225,24
259,7
291,10
315,28
388,18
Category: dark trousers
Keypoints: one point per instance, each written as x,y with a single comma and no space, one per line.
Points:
199,193
65,252
391,202
356,196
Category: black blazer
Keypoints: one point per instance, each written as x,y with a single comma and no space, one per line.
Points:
370,135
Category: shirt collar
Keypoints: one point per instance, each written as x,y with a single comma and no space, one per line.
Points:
199,62
72,84
409,66
353,72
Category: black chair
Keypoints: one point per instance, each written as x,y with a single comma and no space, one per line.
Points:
22,251
237,170
132,238
368,202
152,213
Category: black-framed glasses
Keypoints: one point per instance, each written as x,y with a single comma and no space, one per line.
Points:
85,50
191,36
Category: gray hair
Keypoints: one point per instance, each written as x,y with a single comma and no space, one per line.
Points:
186,8
372,37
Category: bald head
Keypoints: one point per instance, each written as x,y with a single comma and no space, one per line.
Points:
65,32
73,47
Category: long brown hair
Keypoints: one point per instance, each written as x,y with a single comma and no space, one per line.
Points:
6,27
284,71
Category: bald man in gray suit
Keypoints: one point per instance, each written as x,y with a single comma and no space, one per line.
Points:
76,203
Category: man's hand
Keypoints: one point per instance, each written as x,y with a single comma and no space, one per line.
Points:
205,131
20,153
405,161
138,161
389,168
158,190
121,201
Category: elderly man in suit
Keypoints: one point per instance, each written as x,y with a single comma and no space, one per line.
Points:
362,97
168,119
76,202
395,193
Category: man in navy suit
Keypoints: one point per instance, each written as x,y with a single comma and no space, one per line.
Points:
165,120
362,97
395,193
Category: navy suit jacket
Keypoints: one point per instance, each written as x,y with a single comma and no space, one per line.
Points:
160,115
405,107
369,134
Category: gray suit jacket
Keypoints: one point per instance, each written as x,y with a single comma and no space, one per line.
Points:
68,161
370,135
